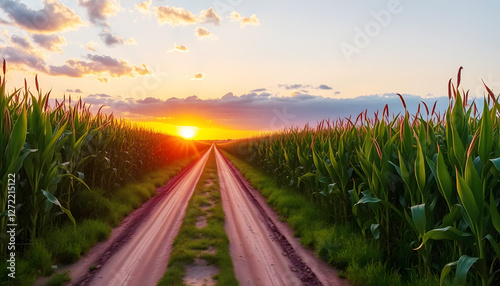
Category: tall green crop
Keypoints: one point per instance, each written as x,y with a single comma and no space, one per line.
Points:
427,184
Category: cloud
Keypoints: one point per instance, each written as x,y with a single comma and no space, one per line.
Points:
209,16
295,86
259,90
53,17
252,20
198,76
20,57
99,65
111,40
91,46
99,10
21,54
179,48
261,111
175,16
203,33
50,42
101,95
144,7
21,42
149,100
324,86
142,70
74,90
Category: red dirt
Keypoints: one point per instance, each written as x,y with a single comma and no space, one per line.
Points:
263,249
138,251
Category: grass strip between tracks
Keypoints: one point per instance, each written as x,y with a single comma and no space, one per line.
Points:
357,258
208,240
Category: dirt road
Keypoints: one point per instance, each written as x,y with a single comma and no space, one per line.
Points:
142,259
263,249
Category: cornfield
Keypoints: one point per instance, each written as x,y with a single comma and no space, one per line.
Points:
58,151
425,186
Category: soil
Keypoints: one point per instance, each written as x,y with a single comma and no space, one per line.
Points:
200,273
138,251
263,251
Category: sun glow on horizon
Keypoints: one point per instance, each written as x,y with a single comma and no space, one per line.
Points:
187,132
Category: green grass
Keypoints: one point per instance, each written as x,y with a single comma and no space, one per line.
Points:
59,279
192,241
95,215
359,259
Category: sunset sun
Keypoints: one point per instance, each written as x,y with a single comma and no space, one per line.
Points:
187,132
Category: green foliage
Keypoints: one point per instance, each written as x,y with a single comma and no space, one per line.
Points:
429,182
59,279
61,154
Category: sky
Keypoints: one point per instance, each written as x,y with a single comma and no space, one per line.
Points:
238,68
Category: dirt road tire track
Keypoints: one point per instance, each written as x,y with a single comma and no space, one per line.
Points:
139,220
285,261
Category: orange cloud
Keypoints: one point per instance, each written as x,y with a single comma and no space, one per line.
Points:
175,16
53,17
198,76
252,20
179,48
203,33
144,7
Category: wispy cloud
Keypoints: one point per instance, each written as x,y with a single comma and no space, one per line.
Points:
179,48
203,33
51,42
252,20
53,17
